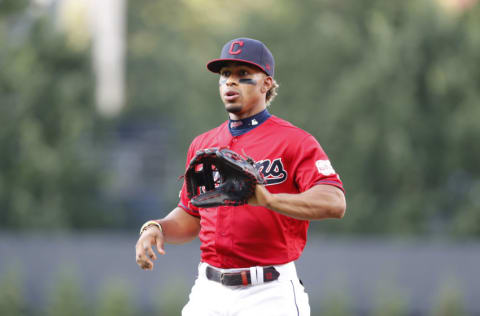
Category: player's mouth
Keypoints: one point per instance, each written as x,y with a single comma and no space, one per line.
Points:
230,95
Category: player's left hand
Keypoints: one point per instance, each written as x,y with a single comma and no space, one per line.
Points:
219,176
260,197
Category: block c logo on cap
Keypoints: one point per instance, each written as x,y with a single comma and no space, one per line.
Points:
235,50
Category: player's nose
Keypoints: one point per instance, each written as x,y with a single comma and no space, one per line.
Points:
232,80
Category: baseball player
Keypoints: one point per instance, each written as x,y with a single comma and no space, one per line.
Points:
248,252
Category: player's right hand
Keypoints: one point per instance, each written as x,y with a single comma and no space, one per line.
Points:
145,255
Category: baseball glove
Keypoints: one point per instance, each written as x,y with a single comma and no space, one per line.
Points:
217,177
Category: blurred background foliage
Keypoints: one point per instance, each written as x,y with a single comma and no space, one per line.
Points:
48,122
389,88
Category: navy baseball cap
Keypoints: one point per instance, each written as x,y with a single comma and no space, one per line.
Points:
245,50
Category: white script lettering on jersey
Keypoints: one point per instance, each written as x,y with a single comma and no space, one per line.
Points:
273,171
324,167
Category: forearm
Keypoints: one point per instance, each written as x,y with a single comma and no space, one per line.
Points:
179,227
319,202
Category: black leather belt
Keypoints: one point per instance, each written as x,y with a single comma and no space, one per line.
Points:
241,277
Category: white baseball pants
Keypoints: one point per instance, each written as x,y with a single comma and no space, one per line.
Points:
282,297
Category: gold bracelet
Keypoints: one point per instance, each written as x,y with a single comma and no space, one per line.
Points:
148,224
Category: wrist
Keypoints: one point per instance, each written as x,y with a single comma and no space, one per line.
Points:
149,224
269,200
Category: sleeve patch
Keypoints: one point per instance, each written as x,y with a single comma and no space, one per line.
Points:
324,167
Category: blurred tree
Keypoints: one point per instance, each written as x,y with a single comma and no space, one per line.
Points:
8,7
49,175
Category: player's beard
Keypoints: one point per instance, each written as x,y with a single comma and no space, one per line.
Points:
233,108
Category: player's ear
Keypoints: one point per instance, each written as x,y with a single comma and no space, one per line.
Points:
267,84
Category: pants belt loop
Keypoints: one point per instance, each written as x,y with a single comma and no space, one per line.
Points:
256,275
260,275
253,275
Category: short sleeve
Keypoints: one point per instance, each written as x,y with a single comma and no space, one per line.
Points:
311,166
184,201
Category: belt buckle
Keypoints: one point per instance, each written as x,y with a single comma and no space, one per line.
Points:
222,277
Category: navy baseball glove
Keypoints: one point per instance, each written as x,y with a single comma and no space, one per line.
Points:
217,177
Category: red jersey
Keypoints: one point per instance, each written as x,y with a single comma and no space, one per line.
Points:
292,161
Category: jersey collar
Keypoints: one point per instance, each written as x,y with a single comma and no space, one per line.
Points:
240,127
